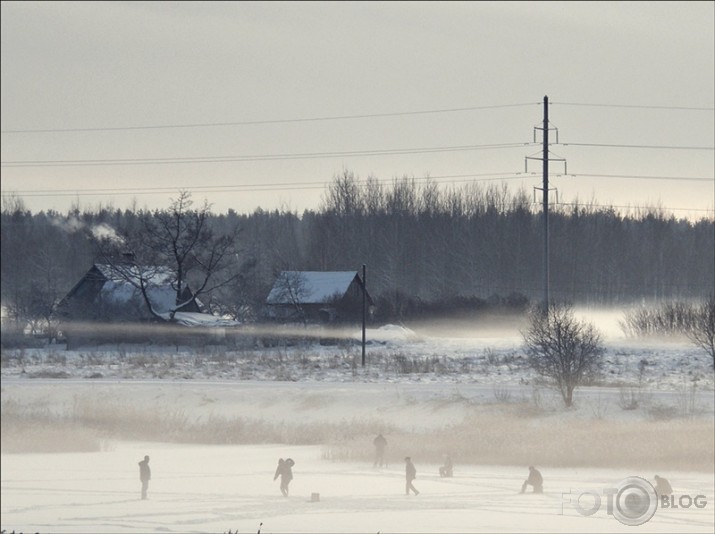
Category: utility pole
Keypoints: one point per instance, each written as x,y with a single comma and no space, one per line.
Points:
545,159
545,191
364,312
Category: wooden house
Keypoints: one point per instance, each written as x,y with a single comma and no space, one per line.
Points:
110,295
322,297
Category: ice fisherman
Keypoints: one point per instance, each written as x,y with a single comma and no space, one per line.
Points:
380,444
662,486
144,475
285,471
446,469
535,479
410,475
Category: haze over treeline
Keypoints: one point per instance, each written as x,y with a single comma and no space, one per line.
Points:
424,246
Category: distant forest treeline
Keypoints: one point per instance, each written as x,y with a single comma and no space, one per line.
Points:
424,247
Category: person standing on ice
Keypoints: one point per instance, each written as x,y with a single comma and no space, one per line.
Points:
535,479
410,475
380,444
144,475
285,471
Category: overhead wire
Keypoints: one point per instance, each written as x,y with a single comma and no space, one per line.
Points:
341,117
633,106
317,155
256,157
267,121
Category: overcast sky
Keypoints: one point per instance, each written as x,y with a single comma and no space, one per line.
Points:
261,104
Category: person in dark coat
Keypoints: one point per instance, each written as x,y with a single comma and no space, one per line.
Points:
535,479
144,475
285,471
410,475
662,486
380,444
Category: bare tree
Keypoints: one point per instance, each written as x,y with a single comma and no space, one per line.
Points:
702,331
291,291
563,349
177,241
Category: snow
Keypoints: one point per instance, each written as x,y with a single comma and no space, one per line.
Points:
200,319
222,488
160,292
417,388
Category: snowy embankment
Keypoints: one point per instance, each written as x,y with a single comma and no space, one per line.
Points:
215,422
393,354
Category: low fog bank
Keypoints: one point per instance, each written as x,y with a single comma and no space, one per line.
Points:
478,425
608,320
432,388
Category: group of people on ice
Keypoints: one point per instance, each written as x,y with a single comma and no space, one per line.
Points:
284,470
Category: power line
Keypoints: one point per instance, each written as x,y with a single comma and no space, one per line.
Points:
633,207
455,178
256,157
267,121
336,117
279,186
634,106
285,186
312,155
659,147
637,177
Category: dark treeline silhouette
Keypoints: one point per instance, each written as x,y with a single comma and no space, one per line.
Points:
428,248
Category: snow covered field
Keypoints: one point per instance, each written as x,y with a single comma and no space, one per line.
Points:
75,425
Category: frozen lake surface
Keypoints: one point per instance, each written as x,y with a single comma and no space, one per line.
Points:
222,488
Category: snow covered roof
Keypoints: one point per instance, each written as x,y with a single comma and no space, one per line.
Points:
154,275
160,291
310,287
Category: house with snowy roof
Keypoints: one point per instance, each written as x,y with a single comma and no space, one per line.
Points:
109,295
113,292
317,297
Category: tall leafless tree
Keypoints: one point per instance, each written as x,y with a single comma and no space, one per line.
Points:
180,240
563,349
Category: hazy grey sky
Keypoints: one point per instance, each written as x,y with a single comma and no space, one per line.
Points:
266,87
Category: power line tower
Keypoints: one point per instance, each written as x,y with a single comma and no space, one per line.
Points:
545,128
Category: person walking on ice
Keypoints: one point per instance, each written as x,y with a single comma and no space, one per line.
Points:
144,475
535,479
410,475
285,471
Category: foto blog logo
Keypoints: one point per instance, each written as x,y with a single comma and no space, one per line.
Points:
633,501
